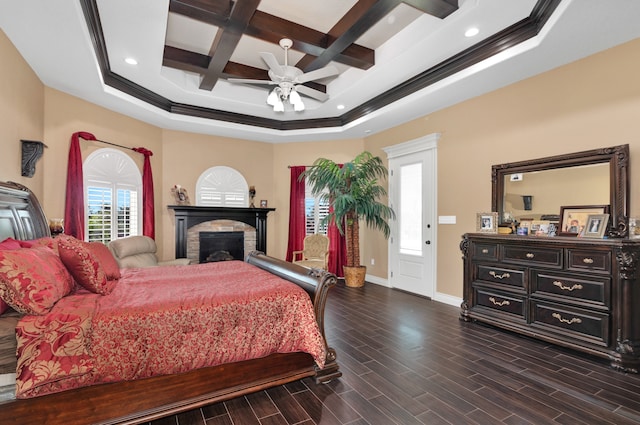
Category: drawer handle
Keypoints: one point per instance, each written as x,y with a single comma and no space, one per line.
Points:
485,251
499,276
499,303
587,260
569,322
530,255
567,288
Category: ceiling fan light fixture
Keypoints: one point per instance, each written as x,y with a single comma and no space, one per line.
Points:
273,97
296,101
279,106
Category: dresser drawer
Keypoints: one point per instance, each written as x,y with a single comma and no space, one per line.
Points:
501,275
577,323
505,303
484,251
594,261
550,257
587,290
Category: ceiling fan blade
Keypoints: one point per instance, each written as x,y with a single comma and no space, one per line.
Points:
272,63
327,71
250,81
313,93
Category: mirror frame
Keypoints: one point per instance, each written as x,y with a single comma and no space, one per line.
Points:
616,156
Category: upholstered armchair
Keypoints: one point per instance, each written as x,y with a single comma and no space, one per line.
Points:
315,252
139,251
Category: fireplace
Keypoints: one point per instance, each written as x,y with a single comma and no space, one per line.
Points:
221,246
187,216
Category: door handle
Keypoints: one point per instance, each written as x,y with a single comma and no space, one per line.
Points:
427,242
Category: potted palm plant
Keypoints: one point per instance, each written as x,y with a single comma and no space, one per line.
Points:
353,192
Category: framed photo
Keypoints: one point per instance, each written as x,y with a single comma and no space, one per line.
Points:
539,228
573,220
596,226
487,222
263,203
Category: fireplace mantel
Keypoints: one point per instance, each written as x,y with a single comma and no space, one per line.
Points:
188,216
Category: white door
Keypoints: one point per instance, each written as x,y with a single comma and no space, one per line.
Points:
412,191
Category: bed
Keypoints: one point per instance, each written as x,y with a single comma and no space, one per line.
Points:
95,390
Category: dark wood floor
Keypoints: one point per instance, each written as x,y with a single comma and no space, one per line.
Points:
408,360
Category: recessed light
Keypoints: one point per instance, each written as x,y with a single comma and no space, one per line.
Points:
471,32
341,106
131,61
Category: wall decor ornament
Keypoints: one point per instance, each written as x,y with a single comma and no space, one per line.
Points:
31,152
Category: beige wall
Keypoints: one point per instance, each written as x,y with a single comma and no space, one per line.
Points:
588,104
187,156
592,103
21,115
301,154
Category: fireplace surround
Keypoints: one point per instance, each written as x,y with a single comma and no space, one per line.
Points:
187,216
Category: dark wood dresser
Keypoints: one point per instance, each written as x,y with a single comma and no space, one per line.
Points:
579,293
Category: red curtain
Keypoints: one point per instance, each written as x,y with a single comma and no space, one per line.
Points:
337,250
296,212
148,209
74,202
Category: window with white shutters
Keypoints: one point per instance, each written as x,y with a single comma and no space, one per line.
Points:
316,210
222,186
113,192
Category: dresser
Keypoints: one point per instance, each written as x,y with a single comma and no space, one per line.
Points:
583,294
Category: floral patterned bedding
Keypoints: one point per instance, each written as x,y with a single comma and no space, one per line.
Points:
164,320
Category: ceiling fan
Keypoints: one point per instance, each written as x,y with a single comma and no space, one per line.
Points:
289,80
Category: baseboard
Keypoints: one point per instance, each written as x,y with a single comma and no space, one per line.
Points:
447,299
439,296
377,280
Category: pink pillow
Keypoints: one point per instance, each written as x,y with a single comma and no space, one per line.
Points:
46,241
84,265
10,243
33,280
106,259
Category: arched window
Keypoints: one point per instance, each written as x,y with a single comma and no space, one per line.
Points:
222,186
113,196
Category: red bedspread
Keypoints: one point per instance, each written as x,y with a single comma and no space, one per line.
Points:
165,320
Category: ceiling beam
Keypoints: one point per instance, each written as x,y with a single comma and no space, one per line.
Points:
226,41
438,8
364,15
272,29
186,60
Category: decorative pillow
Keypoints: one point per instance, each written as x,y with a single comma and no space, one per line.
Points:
10,243
45,241
106,259
84,265
33,280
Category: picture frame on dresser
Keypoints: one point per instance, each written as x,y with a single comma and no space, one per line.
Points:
487,222
573,219
596,226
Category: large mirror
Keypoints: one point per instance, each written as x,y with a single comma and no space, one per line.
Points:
539,188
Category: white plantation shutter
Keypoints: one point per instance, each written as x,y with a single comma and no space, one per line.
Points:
315,211
222,187
113,191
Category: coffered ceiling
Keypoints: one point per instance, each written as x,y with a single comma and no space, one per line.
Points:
396,59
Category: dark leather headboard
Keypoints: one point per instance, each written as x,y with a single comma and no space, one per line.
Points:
21,216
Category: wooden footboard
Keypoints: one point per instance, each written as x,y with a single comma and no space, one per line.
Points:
317,284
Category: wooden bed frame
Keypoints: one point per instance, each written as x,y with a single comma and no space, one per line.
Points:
133,402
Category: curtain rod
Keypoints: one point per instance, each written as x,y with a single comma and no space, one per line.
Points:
114,144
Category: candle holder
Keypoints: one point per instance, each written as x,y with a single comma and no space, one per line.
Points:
56,226
252,194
